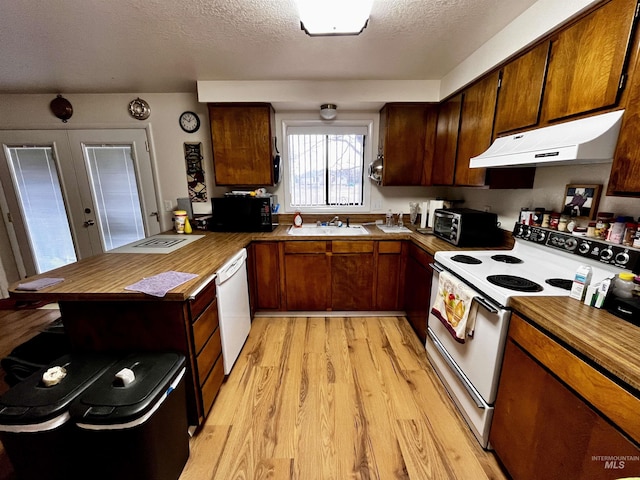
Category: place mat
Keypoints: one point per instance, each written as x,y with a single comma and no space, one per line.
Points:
159,285
39,284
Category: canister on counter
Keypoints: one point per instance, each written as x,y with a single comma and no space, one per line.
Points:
603,222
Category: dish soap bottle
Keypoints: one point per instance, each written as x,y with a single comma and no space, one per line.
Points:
297,220
187,226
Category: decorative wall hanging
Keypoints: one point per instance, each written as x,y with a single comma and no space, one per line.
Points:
139,109
61,108
195,173
581,201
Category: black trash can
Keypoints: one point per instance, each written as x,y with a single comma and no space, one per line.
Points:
34,418
132,421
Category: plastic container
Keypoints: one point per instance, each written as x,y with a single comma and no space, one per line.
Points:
581,281
179,219
35,429
616,231
591,229
603,221
546,220
562,224
629,233
623,285
132,422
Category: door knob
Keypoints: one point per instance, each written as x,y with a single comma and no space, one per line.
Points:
89,223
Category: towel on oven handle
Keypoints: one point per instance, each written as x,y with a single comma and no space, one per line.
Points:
454,306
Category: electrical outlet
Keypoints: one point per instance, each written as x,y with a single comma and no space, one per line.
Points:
168,207
377,204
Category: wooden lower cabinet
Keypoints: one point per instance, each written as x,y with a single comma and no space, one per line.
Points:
352,273
307,271
343,275
542,428
190,328
417,289
265,273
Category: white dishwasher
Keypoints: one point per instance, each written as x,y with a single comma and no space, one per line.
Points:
232,291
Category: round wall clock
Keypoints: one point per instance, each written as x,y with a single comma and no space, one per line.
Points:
189,122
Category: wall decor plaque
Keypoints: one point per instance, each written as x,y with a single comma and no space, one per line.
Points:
195,172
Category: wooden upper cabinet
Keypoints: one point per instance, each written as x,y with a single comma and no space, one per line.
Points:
476,129
242,138
444,158
407,136
520,93
587,61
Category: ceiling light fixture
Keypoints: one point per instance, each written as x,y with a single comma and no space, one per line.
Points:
328,111
319,18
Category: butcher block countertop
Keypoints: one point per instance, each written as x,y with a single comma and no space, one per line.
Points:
595,334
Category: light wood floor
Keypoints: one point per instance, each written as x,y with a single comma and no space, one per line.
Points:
335,398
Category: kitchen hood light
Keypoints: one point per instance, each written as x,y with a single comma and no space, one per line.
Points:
320,18
328,111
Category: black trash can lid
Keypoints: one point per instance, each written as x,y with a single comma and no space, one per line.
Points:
115,398
32,402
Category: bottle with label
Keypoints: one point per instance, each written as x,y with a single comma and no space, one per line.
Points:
297,220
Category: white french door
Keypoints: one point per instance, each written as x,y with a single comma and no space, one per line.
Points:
72,194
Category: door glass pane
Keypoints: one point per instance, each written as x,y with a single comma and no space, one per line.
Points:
38,189
115,191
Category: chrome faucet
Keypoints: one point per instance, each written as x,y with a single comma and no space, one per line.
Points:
334,221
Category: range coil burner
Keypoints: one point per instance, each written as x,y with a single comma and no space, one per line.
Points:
506,259
513,282
563,283
468,259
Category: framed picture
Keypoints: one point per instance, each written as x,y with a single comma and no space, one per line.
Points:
581,201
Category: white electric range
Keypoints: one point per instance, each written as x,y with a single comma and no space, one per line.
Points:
542,262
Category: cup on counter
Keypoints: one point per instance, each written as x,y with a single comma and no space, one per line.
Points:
179,219
413,212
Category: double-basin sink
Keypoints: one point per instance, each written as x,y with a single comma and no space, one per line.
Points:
325,230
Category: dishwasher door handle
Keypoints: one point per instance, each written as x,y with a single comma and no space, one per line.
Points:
230,268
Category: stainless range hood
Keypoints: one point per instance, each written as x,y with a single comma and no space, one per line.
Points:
588,140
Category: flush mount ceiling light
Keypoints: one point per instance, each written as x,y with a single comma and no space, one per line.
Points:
333,17
328,111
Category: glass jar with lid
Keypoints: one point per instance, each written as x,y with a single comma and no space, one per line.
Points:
603,222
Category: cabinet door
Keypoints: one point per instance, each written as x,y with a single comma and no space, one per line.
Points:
407,135
520,93
541,429
242,139
266,274
389,286
352,274
417,291
587,61
446,144
307,276
476,129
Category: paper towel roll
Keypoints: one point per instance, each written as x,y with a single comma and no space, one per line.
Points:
424,213
433,206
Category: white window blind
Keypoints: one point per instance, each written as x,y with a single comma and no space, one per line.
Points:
326,165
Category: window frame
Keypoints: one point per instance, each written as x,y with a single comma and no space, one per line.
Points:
359,121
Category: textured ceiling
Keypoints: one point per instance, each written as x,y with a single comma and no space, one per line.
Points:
90,46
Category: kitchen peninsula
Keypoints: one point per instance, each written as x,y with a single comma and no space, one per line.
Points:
100,314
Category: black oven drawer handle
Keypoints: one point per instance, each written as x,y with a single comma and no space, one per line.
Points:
456,370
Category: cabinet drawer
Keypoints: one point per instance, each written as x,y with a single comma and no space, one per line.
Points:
212,385
340,246
607,396
202,299
305,247
208,356
389,247
205,325
422,257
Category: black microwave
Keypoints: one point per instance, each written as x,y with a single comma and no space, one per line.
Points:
465,227
242,213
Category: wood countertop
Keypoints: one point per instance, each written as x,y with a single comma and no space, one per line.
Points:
599,336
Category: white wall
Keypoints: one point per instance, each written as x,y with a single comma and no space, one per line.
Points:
548,192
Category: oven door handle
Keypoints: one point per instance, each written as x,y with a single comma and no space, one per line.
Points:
486,304
456,370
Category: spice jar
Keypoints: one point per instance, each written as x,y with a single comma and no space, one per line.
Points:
629,233
616,230
538,213
603,221
546,220
562,224
591,229
554,220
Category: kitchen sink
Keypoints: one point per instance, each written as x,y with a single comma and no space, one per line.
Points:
327,230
